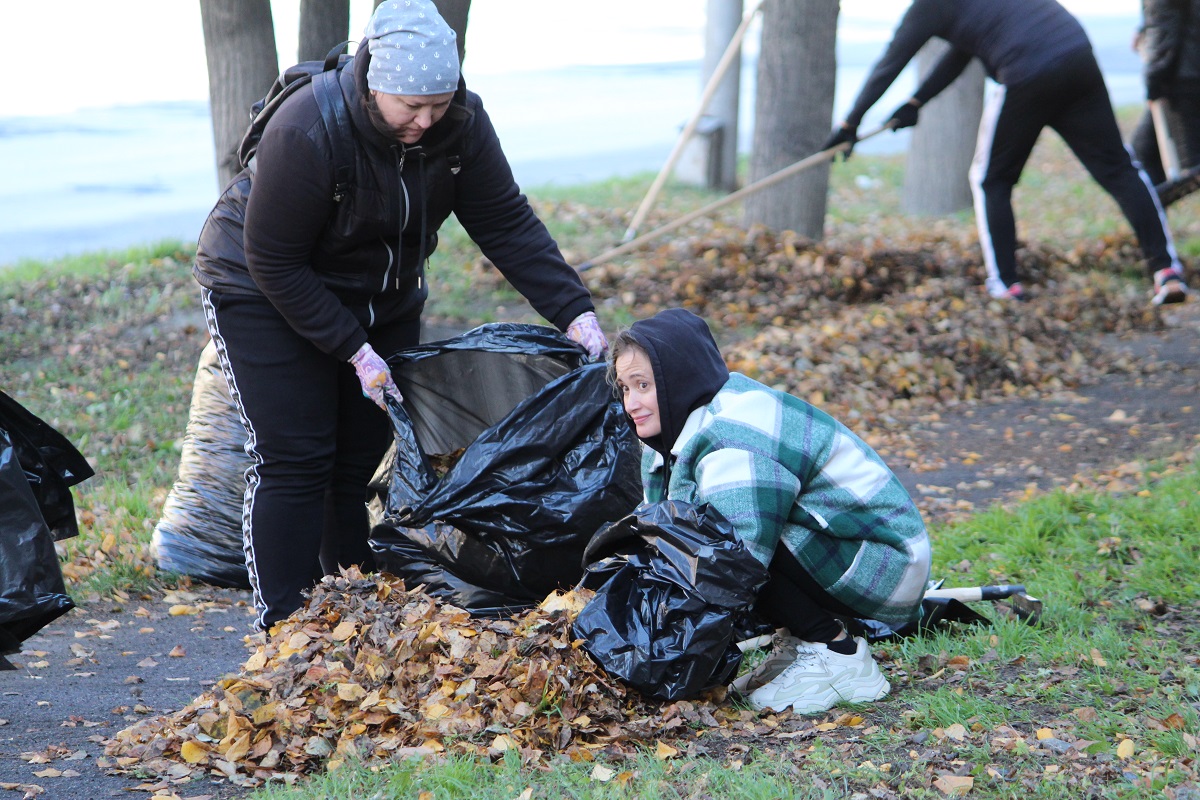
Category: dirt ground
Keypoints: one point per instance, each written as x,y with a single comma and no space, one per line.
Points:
100,667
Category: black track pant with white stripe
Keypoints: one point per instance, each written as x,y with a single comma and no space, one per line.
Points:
314,441
1073,100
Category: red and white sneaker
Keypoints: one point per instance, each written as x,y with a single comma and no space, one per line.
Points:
1169,287
1015,292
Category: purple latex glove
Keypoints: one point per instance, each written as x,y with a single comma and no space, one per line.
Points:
585,330
374,375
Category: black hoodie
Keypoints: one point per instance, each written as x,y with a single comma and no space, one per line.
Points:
336,268
688,369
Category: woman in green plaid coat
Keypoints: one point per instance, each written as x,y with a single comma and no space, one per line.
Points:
810,499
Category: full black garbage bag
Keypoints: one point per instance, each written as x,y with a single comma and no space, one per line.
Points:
544,459
674,586
200,531
38,465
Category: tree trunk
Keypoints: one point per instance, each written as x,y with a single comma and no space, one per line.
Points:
723,19
943,142
323,24
797,66
455,12
239,45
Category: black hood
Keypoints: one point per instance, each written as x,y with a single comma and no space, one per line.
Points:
688,368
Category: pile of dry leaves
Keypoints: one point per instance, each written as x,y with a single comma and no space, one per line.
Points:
866,329
371,671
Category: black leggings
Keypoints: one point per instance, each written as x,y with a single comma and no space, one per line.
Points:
314,440
792,599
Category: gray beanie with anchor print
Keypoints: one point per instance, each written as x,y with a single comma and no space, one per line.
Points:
413,50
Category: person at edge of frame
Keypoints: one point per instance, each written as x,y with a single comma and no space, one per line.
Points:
1169,43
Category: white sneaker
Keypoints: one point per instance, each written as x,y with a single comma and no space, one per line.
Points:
819,678
783,653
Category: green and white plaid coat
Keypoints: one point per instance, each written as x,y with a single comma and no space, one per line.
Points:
782,470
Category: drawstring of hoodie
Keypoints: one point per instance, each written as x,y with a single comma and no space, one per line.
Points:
424,210
403,210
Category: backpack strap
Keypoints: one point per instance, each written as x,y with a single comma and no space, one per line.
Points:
336,117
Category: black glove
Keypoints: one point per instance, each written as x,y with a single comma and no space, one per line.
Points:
842,134
904,117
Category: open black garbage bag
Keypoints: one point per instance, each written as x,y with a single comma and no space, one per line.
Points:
38,465
673,588
200,531
543,455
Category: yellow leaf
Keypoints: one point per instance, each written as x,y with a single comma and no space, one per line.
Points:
1098,659
193,752
954,785
1044,733
182,611
956,732
663,751
350,692
1125,749
345,629
256,662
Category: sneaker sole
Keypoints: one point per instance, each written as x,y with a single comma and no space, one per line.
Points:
1169,295
863,692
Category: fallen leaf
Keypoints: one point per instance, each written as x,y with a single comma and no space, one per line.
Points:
954,785
664,751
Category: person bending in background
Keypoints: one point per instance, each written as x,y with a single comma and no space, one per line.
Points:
1047,76
838,532
1169,43
305,295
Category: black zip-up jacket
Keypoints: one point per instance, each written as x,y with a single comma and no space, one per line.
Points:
336,268
1171,46
1016,40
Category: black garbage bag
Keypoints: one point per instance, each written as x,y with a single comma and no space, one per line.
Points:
38,465
200,531
51,463
674,586
509,454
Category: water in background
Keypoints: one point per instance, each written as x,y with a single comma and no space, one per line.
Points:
108,178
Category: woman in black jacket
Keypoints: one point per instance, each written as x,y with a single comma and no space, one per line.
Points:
306,291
